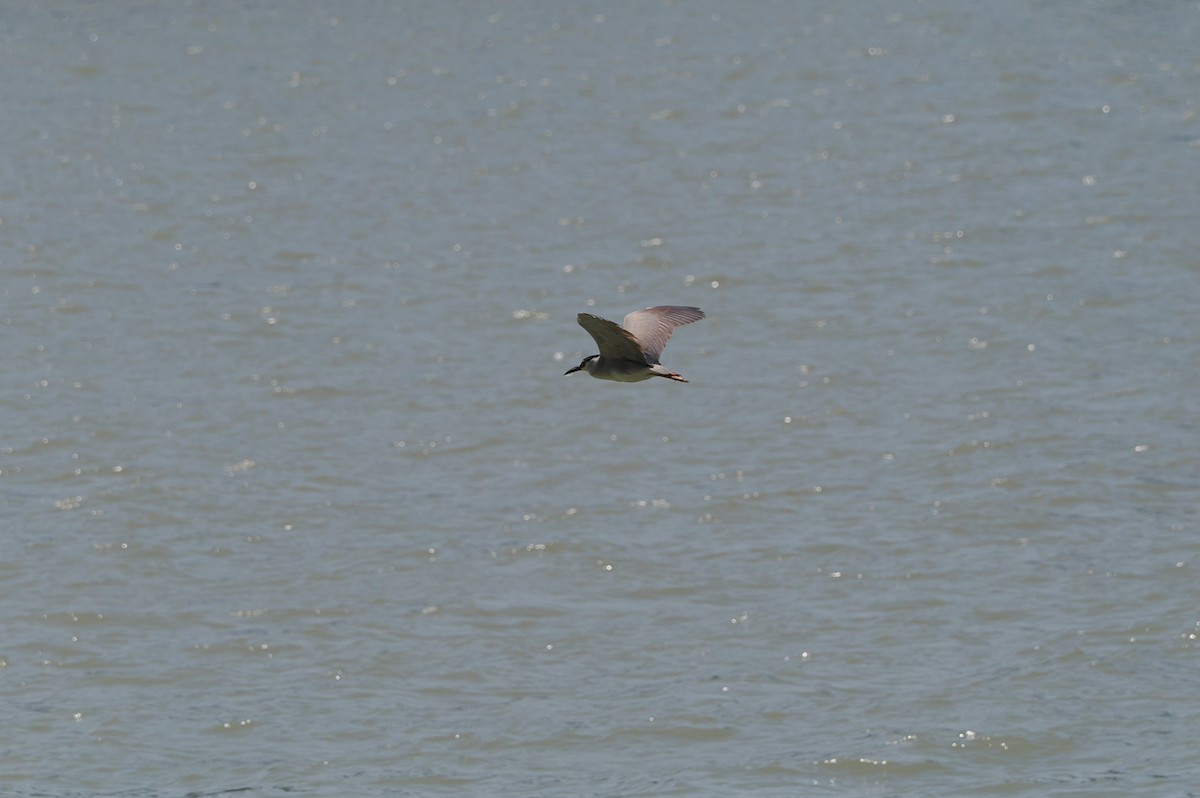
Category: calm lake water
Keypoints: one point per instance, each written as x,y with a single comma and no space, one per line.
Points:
296,498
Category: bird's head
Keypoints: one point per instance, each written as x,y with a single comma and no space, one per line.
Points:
587,364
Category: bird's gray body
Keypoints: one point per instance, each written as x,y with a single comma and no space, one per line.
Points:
629,352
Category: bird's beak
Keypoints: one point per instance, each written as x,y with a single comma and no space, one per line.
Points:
572,371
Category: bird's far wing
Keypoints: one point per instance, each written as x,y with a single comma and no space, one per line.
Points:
613,341
652,327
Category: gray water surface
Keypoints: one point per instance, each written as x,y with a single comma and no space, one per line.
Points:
297,500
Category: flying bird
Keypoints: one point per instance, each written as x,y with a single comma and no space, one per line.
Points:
629,351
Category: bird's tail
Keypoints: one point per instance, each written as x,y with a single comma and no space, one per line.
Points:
662,371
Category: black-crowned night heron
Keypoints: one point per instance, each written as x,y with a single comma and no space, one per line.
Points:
629,352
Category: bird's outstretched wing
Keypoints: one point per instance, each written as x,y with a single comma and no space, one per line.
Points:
614,342
652,327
